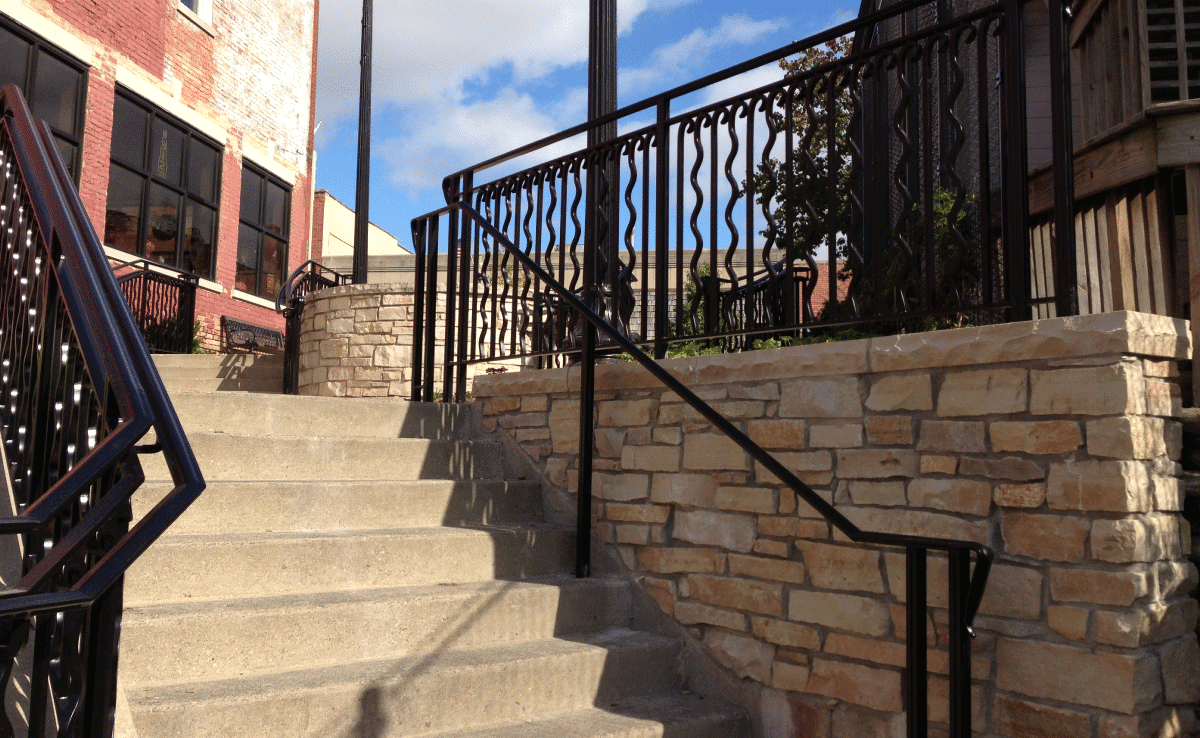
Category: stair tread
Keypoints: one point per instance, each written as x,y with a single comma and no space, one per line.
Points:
675,716
319,600
379,672
241,538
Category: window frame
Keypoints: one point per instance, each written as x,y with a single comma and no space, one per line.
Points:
260,227
40,46
148,176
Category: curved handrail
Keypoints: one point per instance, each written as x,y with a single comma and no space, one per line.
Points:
120,367
146,265
984,554
304,279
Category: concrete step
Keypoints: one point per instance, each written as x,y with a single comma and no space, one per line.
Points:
214,640
246,457
226,567
676,716
221,372
294,506
417,695
292,415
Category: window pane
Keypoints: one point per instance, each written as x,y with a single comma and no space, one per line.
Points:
166,151
202,170
129,133
246,278
189,4
124,210
66,150
274,262
251,197
162,225
198,240
56,94
276,216
14,58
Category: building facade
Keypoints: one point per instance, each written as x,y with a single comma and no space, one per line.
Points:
188,125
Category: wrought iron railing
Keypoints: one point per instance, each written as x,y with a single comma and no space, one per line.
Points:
893,169
163,302
80,392
308,277
965,588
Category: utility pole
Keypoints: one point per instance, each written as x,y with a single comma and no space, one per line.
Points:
362,194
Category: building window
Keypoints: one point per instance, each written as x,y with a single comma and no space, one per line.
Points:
202,9
263,234
54,86
164,189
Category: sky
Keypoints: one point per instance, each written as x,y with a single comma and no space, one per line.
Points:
456,83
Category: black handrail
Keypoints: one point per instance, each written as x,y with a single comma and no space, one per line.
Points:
308,277
966,590
84,392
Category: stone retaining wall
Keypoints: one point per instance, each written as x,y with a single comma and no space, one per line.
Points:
356,341
1054,442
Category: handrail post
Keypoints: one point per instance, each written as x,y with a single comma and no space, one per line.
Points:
419,229
661,225
448,363
466,182
960,644
1065,269
916,696
1014,142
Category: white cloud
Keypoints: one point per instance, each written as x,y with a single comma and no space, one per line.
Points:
676,59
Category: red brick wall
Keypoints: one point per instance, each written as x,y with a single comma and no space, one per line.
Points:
247,79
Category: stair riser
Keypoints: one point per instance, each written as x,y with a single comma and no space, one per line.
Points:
424,698
225,641
250,458
301,506
176,570
291,415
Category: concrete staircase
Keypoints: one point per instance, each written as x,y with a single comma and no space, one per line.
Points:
361,568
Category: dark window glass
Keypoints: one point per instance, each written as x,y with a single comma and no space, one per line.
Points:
262,237
164,189
200,230
14,59
129,133
122,218
189,4
56,93
202,171
54,87
247,261
166,151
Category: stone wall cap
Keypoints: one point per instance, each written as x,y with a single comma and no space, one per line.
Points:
374,288
1122,332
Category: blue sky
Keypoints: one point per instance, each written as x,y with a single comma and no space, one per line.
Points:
458,82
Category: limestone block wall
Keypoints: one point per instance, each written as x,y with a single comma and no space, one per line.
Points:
356,341
1055,442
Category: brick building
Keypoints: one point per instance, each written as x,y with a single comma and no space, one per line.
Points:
188,127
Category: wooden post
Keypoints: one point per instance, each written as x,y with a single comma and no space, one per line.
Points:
1192,179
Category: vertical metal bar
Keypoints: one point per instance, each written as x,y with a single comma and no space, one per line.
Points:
1014,141
927,185
363,185
448,358
960,645
465,281
1065,274
916,698
983,125
431,294
420,229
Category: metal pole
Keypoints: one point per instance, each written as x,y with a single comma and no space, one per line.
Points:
602,99
1065,272
362,192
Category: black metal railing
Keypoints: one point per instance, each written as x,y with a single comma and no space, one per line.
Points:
308,277
965,588
893,171
80,392
163,302
881,186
